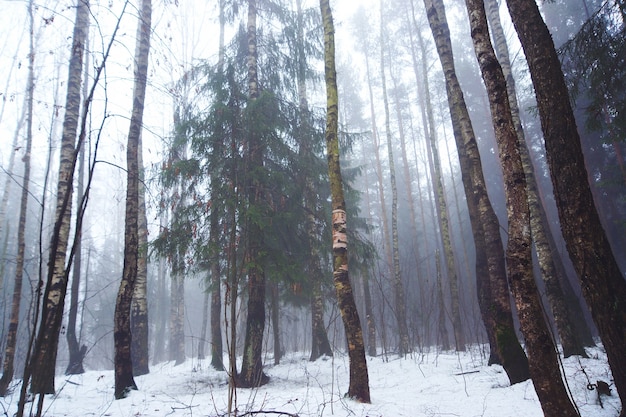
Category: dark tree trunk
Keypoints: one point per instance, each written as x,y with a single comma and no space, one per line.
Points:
45,352
216,318
205,321
252,374
602,282
492,286
11,341
124,381
276,323
538,221
542,353
359,378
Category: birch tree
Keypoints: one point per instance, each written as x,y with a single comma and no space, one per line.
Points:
124,381
359,379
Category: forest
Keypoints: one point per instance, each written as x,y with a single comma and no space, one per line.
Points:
232,196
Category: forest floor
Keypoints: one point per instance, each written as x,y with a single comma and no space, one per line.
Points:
432,384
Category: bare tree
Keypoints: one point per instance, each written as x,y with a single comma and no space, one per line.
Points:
44,361
542,353
492,286
602,281
359,379
11,342
124,380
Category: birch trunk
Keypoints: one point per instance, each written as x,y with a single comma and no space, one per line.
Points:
252,374
139,309
44,361
359,380
123,364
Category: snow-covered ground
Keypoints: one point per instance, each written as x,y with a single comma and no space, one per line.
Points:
434,384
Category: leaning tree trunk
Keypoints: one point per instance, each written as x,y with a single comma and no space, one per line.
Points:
602,282
252,374
493,293
11,341
123,364
359,379
538,220
399,293
542,353
44,361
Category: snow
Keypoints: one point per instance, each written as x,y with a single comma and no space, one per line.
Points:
424,384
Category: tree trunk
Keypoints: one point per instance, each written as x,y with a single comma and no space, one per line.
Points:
124,381
11,341
538,221
44,361
602,282
379,170
177,312
276,323
542,353
139,309
217,360
442,331
359,379
216,319
446,238
399,294
161,320
493,293
252,374
205,319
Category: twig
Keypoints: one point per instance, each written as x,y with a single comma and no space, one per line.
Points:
280,413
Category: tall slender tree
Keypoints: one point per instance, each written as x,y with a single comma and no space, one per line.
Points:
11,342
398,285
139,307
542,353
602,281
492,286
124,381
572,345
252,374
320,345
75,351
44,361
359,379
